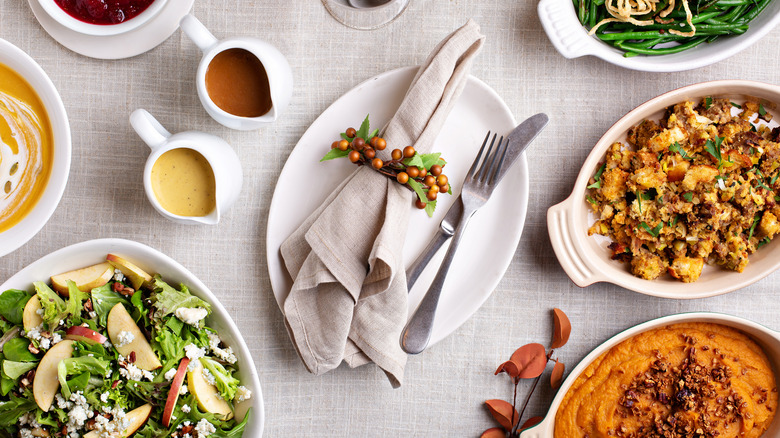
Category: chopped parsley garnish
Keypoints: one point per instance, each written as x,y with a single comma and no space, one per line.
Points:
736,105
762,242
688,196
597,177
675,147
774,178
756,220
673,221
652,231
761,110
591,200
707,102
714,149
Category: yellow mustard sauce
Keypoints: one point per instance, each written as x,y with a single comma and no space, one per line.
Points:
26,149
183,183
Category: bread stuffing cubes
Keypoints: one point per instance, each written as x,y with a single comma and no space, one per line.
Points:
700,186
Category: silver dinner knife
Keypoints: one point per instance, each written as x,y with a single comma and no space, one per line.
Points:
523,134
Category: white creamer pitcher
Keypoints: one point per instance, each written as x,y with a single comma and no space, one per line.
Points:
228,176
280,78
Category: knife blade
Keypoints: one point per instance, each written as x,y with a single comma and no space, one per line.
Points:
522,135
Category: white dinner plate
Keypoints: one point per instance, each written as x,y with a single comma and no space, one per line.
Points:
491,238
154,262
124,45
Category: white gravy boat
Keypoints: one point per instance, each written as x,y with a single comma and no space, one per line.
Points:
228,176
280,78
768,339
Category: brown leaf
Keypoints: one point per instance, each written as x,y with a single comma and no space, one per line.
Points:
531,359
493,432
561,329
533,421
557,374
502,412
510,368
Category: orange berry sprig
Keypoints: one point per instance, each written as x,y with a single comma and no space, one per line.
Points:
421,173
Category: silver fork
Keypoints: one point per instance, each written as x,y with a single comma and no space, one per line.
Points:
476,189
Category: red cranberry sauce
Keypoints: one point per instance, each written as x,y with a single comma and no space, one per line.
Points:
103,11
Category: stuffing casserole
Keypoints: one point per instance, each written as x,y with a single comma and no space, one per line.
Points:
698,186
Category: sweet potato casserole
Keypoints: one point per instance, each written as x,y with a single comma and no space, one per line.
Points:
698,186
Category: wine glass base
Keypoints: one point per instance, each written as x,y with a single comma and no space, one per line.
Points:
365,18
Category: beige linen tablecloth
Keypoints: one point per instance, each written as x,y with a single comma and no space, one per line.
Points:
444,387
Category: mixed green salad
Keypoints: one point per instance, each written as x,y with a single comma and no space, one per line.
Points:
130,357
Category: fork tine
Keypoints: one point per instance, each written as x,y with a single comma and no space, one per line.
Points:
484,166
479,155
500,163
490,170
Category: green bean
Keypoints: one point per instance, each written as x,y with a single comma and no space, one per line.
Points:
592,14
582,11
755,11
665,51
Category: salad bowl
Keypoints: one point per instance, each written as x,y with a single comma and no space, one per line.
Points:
769,340
571,39
152,261
587,260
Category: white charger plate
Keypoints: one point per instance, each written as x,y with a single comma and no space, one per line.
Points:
124,45
154,262
489,242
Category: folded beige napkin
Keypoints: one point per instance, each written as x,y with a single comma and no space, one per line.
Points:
349,298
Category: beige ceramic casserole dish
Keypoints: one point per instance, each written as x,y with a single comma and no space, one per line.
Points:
769,340
587,260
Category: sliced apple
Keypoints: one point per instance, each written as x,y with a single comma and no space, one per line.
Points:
85,278
173,393
119,320
136,275
30,316
207,394
84,334
135,419
46,384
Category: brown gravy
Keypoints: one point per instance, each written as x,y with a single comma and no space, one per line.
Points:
237,83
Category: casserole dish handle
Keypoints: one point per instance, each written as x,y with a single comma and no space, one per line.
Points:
563,238
564,29
541,430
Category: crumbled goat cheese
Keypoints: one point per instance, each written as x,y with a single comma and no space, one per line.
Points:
55,338
243,393
124,338
183,390
118,275
92,314
26,433
225,354
191,315
209,377
194,353
204,428
106,428
34,333
104,397
170,374
186,409
78,414
131,372
45,343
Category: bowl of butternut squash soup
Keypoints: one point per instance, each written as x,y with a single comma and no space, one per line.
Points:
35,148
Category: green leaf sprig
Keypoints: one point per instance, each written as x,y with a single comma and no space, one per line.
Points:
676,147
420,173
597,177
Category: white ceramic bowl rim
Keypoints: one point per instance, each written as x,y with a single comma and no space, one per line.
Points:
32,223
77,25
587,262
767,338
94,251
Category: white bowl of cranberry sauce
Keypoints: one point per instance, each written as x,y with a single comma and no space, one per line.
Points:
102,17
